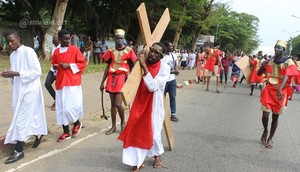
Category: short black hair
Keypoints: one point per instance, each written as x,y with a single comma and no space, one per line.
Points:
166,43
216,44
63,32
10,32
164,49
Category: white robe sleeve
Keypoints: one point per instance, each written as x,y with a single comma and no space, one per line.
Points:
159,81
34,71
74,68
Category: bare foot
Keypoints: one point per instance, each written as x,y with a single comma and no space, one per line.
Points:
110,131
206,89
269,144
157,162
263,138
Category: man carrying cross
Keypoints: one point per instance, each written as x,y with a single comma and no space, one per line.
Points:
142,134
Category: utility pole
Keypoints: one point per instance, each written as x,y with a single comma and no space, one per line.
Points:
217,31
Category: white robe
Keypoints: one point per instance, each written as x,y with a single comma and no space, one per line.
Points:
27,97
136,156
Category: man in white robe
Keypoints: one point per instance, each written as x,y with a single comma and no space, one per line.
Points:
142,134
27,99
70,64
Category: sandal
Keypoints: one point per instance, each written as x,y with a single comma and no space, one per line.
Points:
269,144
135,169
263,138
157,163
53,106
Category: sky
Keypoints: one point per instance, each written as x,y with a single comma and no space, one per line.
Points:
274,16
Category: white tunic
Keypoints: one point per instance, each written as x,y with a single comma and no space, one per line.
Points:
27,97
136,156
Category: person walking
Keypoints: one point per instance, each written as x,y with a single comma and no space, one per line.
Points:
142,134
119,61
27,97
279,71
171,59
51,74
69,63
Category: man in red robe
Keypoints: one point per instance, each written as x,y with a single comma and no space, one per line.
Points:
279,71
142,134
69,63
213,65
255,64
119,60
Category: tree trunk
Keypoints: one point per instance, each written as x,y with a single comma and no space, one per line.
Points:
180,24
56,23
196,37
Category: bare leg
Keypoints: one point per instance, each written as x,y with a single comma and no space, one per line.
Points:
260,88
207,84
273,130
120,110
252,88
217,85
265,120
113,111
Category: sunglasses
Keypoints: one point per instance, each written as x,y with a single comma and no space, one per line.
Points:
156,51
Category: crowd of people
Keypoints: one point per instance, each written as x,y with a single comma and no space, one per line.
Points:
141,134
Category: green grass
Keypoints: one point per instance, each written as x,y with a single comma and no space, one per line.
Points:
91,68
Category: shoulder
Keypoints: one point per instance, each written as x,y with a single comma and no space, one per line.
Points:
289,62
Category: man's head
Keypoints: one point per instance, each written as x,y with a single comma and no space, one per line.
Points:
55,40
119,36
13,40
64,38
169,46
217,45
208,38
280,47
156,52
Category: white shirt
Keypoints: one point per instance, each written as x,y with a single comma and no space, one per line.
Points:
171,60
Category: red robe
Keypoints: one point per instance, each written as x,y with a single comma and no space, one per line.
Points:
275,74
65,77
254,78
212,59
138,131
118,68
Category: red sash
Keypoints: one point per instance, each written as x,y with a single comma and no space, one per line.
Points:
138,131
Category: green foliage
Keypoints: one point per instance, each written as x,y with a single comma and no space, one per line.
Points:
99,18
296,46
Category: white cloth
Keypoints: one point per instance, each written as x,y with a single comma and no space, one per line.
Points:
69,105
27,97
36,43
136,156
184,56
52,52
192,60
171,60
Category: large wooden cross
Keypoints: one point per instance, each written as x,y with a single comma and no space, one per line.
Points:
133,81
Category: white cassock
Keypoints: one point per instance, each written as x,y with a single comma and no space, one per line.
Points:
136,156
27,97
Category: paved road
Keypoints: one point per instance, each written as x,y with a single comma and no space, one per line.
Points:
216,132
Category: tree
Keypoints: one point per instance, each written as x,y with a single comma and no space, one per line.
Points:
56,23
